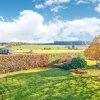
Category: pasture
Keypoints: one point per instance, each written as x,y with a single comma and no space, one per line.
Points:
45,49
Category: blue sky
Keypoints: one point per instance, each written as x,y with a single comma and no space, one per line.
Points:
11,8
76,20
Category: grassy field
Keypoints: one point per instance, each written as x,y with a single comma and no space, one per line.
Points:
43,49
51,84
57,51
39,47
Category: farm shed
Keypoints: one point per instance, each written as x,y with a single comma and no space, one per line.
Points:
6,51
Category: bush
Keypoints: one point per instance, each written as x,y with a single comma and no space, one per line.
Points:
67,65
68,59
78,62
56,61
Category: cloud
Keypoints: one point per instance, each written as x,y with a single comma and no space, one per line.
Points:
86,1
22,28
30,27
57,8
97,8
39,6
1,18
57,4
81,2
51,2
94,2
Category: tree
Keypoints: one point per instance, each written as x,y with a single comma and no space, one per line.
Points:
93,51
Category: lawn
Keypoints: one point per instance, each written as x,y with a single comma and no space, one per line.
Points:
51,84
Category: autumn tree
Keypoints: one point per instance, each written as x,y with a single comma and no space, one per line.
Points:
93,51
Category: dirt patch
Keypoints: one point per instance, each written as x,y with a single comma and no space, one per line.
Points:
78,71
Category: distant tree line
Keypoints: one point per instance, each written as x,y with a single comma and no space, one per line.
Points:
71,42
55,43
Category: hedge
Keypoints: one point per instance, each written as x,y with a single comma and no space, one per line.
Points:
12,63
18,62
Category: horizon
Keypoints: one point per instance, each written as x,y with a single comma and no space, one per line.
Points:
46,42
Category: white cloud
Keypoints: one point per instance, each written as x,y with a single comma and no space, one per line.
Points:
94,2
81,2
1,18
56,4
97,8
22,28
50,2
30,27
57,8
86,1
39,6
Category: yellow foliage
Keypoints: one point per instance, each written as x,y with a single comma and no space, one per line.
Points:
93,51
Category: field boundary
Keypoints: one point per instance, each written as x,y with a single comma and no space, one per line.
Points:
19,62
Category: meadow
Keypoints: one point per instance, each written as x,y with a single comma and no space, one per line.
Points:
51,84
45,49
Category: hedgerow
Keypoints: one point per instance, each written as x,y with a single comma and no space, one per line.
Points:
18,62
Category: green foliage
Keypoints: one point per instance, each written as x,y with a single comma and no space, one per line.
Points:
67,65
56,58
78,62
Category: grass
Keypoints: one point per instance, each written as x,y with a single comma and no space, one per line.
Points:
50,84
40,49
1,46
57,51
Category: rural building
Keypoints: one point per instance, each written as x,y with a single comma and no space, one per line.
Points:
6,51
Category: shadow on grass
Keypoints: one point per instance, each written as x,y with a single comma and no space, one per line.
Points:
51,84
93,67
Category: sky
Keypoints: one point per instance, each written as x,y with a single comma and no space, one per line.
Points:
41,21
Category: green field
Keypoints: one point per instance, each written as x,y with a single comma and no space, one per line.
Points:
57,51
51,84
43,49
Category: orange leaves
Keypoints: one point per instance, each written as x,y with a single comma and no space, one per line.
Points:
93,51
10,63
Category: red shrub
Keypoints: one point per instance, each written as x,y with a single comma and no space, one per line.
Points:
68,58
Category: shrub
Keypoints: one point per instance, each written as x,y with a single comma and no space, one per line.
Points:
67,65
68,59
56,61
78,62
